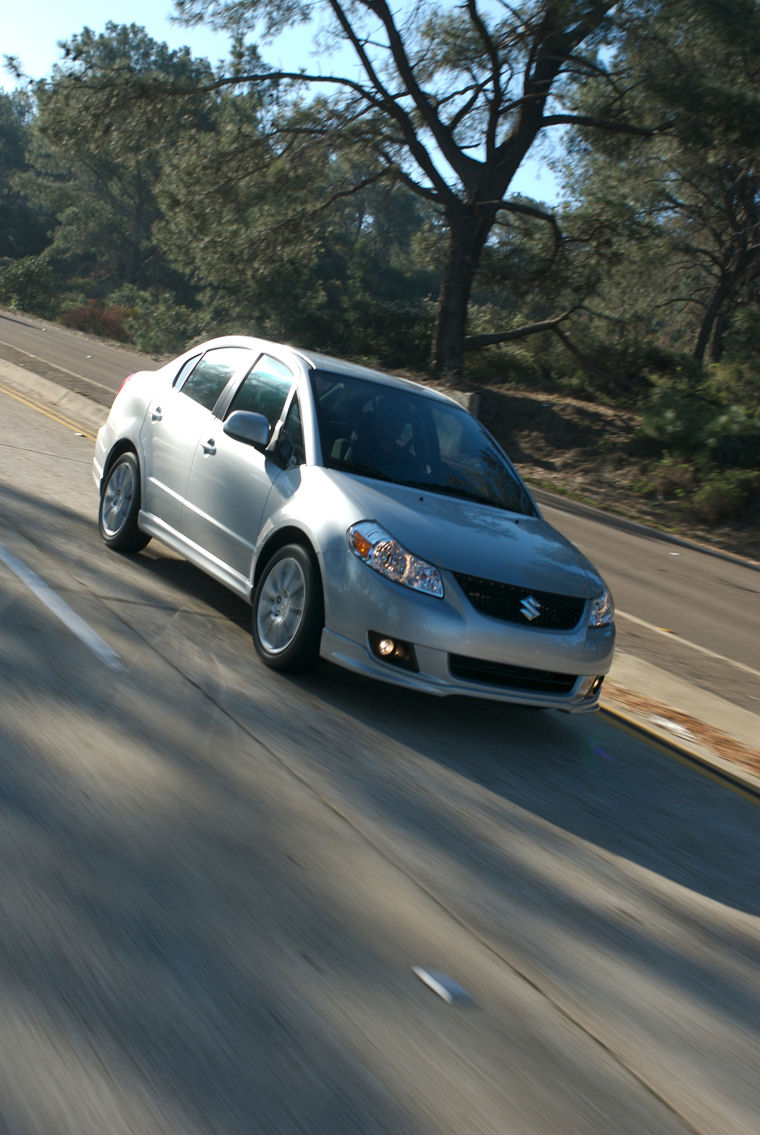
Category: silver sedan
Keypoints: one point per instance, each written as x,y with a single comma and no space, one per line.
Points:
368,520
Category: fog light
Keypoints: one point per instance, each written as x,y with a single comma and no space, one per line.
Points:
393,650
591,686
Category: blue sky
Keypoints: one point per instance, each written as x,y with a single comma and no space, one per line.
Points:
32,30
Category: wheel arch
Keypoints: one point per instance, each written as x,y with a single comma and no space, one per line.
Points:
290,534
123,445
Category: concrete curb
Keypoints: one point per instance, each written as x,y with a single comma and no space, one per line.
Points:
75,407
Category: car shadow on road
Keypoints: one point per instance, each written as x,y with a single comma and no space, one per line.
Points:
555,839
168,962
582,773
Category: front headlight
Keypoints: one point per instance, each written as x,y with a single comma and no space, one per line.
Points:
602,610
380,551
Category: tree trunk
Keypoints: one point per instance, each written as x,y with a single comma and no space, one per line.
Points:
717,318
468,229
719,298
722,324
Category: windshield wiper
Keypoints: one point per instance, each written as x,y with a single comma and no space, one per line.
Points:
427,486
455,491
358,469
520,506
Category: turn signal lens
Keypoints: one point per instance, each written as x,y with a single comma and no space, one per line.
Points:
388,557
359,542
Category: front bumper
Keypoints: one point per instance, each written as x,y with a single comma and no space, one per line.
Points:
434,677
457,650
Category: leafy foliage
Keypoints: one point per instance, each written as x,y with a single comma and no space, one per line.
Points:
95,154
684,204
96,319
146,194
446,101
27,284
22,225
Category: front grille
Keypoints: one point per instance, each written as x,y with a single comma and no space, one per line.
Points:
514,677
502,601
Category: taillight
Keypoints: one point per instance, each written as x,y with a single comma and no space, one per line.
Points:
124,383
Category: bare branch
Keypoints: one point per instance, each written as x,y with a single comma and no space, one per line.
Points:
608,124
493,56
443,134
477,342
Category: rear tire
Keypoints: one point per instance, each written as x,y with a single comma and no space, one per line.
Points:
288,611
120,504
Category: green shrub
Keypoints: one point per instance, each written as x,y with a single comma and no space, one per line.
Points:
742,341
675,415
733,438
714,421
155,322
735,382
28,284
724,496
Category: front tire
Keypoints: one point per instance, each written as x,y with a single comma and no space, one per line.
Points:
288,611
120,504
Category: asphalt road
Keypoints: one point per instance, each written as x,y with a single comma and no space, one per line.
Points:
217,880
689,613
84,364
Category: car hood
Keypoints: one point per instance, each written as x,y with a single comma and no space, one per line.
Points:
474,539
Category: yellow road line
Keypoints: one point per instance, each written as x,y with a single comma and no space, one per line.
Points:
54,415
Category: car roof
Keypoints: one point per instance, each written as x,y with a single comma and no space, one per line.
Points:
315,360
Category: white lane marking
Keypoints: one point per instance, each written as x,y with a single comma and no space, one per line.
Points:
61,610
57,366
440,982
685,642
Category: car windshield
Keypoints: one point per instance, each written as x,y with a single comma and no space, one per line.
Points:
392,434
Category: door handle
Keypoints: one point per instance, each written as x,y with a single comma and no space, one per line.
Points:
155,414
209,446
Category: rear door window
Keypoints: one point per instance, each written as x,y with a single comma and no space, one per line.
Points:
211,374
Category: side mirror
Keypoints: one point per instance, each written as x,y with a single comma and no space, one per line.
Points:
251,429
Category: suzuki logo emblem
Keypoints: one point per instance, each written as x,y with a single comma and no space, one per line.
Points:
530,609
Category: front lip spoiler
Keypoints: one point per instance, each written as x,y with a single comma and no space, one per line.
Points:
353,656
